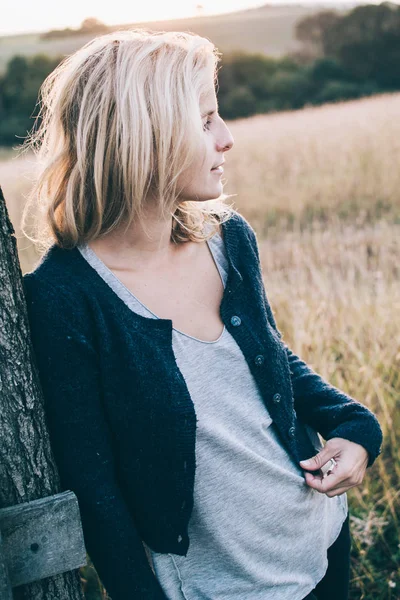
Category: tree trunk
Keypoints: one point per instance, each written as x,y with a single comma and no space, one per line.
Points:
27,467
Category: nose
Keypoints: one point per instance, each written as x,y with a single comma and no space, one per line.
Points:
226,144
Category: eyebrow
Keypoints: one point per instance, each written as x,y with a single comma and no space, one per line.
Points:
208,114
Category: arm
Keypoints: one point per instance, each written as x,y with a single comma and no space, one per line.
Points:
330,411
327,409
81,442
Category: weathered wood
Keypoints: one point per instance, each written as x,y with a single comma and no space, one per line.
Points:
5,583
42,538
27,467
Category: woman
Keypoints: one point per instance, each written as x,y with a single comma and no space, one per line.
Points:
158,352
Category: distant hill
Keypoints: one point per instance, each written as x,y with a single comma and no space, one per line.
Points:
268,29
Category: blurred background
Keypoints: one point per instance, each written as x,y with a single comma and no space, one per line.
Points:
311,93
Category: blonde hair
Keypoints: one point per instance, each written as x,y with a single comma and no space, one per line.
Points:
120,118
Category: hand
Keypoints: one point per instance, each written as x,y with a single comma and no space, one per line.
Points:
352,460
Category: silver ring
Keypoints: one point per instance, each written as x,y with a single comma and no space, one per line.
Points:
328,467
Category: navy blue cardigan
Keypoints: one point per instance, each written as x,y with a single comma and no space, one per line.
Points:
121,421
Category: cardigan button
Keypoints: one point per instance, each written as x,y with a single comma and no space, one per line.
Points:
235,320
259,359
276,397
292,431
179,539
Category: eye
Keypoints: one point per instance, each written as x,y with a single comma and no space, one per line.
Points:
206,125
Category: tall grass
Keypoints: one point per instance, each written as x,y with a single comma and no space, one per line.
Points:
330,164
336,297
321,186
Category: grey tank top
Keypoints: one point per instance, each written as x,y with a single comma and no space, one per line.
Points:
257,531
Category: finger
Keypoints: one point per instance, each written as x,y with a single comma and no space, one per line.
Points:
336,475
336,491
340,488
326,484
316,462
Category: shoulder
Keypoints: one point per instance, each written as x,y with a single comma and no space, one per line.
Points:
54,290
245,226
39,290
50,301
57,319
243,233
240,224
58,272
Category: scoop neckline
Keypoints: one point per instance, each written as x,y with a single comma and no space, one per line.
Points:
97,259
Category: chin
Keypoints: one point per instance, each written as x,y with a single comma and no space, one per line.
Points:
214,192
208,197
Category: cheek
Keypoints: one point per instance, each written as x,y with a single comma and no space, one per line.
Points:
203,165
201,168
192,176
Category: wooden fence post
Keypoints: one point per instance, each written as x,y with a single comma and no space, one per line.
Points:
40,539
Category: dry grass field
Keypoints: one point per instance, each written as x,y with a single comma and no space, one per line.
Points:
321,186
333,163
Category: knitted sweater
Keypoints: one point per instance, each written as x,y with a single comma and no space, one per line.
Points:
120,417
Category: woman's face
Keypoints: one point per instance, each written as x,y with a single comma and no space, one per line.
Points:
199,181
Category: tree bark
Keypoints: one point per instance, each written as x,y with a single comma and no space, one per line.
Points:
27,467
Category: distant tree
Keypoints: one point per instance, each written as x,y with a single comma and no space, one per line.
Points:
245,67
326,69
334,91
362,24
57,33
311,31
19,88
366,42
91,24
240,102
245,83
292,89
242,81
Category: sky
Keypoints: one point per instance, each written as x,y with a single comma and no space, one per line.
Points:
25,16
